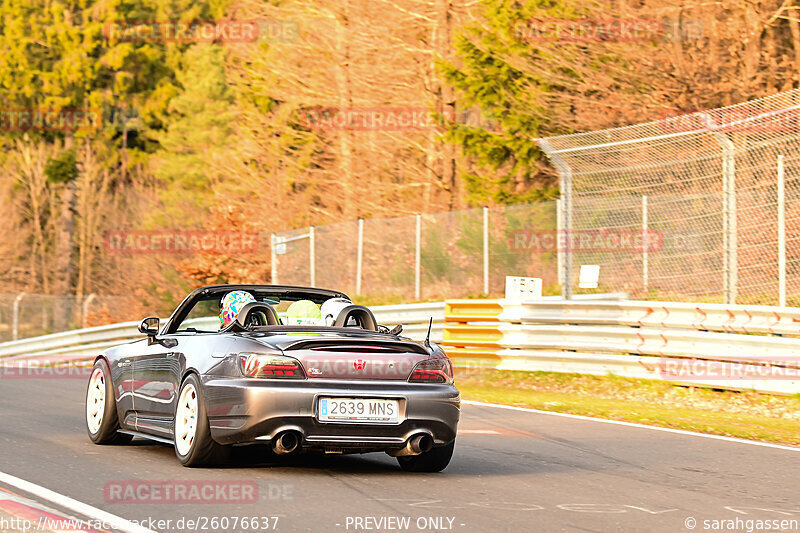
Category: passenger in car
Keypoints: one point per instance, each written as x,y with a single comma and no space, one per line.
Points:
303,313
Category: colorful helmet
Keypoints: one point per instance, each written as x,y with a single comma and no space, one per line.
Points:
231,304
303,313
331,308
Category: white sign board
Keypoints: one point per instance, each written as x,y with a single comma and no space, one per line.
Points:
590,275
280,245
519,289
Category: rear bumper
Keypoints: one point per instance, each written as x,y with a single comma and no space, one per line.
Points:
244,410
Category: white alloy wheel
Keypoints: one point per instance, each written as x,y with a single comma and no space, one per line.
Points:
96,401
186,419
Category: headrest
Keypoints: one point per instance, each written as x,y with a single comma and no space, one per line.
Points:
362,316
250,313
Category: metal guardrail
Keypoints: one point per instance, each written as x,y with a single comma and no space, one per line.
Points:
738,347
636,339
703,317
76,345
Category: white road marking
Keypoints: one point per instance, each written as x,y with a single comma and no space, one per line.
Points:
634,425
116,522
478,432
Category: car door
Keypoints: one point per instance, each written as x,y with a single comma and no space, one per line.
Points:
121,366
157,369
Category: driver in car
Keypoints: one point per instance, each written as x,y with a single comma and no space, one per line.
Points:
230,306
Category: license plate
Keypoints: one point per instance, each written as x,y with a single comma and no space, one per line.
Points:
358,410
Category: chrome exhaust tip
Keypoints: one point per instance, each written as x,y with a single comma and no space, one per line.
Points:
286,442
416,445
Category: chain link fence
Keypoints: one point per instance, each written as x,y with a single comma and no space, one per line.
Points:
25,315
423,257
717,189
698,207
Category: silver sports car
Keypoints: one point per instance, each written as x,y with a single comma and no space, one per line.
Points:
300,369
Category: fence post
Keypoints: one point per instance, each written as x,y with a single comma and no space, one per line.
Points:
359,255
559,243
729,237
15,317
273,259
417,291
781,234
312,260
565,223
645,246
485,250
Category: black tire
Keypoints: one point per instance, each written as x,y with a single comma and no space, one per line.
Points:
434,460
203,450
108,432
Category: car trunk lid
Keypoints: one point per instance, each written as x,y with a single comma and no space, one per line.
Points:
357,356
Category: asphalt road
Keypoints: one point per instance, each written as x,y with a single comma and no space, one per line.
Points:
512,471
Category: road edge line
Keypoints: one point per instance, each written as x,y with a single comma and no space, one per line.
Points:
116,522
635,425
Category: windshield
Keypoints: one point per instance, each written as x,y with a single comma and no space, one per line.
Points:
204,314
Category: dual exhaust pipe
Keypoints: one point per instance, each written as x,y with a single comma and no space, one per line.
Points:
287,442
416,445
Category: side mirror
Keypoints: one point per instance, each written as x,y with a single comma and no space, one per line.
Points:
149,326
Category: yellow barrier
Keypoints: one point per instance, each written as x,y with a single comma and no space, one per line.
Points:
472,330
464,311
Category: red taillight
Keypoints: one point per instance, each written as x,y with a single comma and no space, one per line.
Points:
432,371
258,365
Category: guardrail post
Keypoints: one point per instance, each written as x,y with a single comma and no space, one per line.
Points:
15,317
781,234
417,256
559,243
359,255
645,245
565,186
312,267
273,259
486,250
729,232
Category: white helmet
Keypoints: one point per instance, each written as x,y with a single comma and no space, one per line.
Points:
331,308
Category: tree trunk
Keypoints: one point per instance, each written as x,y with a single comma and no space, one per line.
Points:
447,103
345,104
794,25
752,45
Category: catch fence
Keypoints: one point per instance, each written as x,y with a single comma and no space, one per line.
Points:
718,189
697,207
24,315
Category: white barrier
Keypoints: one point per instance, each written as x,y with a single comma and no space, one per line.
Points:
708,317
717,345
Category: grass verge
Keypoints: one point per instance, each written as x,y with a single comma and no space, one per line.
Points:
747,415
